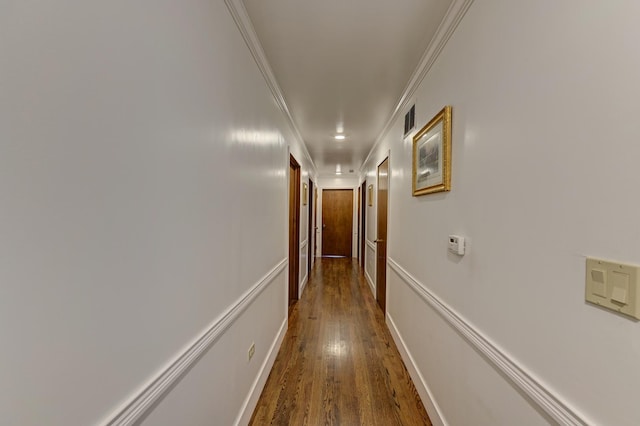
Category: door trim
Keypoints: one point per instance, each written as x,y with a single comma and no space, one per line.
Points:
363,221
310,205
294,229
382,237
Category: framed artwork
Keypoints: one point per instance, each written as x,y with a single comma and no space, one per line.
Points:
370,194
305,190
432,155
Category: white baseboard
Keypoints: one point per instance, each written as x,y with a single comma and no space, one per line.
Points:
303,284
430,404
145,398
370,282
256,389
550,403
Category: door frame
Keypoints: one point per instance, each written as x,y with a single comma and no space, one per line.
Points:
363,222
311,206
382,238
358,225
294,229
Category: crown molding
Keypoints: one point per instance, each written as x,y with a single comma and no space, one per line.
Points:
244,24
449,23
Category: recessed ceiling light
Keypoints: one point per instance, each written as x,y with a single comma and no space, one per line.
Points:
340,137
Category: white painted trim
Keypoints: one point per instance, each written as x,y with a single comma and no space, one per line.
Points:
303,244
435,414
303,284
370,282
371,245
244,24
145,398
449,23
256,389
544,397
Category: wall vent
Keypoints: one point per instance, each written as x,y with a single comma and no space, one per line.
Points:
410,120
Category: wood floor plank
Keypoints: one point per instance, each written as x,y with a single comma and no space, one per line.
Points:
338,364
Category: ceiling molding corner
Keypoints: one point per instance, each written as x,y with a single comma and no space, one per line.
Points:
445,30
244,24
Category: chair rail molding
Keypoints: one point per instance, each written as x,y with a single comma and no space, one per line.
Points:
546,399
145,398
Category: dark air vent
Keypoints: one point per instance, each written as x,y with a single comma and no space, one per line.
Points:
410,120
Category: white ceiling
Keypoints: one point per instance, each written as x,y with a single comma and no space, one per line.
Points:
343,63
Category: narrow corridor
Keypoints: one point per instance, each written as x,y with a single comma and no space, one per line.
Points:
338,364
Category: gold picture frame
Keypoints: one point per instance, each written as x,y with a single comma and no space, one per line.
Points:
431,159
370,195
305,190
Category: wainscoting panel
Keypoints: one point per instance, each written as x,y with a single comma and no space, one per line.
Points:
147,397
370,265
545,399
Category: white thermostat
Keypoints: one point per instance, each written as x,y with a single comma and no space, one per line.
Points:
456,244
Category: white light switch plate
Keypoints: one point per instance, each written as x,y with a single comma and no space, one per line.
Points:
613,286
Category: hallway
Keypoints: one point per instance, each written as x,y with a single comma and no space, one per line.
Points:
338,364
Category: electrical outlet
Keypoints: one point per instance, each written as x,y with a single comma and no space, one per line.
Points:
252,350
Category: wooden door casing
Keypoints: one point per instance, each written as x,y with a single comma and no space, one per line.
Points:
363,225
294,229
381,240
310,236
337,222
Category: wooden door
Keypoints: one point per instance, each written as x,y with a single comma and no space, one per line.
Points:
337,222
363,227
294,229
358,226
311,252
381,241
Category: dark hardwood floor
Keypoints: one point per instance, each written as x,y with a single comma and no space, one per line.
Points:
338,364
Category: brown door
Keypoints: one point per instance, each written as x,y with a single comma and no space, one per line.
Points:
310,250
315,221
337,222
358,226
381,241
363,228
294,229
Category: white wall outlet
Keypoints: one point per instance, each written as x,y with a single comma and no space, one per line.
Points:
252,350
456,244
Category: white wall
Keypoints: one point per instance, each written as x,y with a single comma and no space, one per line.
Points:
545,151
325,182
143,178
